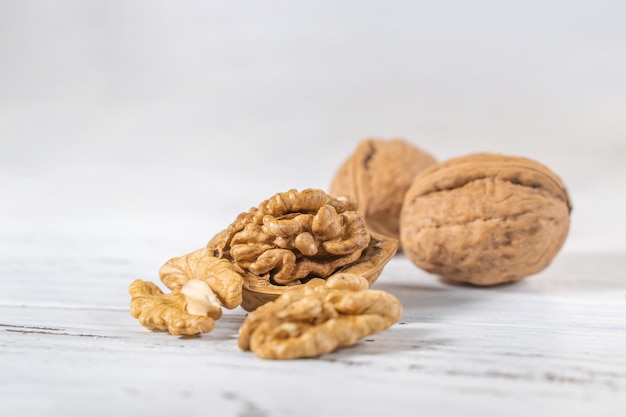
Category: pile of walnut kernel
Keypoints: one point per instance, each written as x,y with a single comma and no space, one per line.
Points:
302,262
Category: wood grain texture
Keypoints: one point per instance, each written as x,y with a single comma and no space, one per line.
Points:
553,344
133,134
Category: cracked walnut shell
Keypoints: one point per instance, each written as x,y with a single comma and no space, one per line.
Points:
318,318
378,174
485,218
295,236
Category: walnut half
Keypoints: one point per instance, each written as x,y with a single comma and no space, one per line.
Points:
201,284
295,236
170,312
317,318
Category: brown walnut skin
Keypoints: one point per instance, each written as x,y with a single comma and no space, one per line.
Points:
485,219
378,174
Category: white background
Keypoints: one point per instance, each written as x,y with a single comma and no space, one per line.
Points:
145,116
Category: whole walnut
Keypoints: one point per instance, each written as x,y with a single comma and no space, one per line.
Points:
378,174
485,218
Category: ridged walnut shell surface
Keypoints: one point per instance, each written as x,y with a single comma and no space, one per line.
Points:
485,219
378,174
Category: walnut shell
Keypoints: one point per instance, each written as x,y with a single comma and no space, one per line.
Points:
295,236
378,174
485,218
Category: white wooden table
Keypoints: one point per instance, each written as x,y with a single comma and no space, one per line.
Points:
553,344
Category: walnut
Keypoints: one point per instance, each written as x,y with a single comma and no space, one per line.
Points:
201,284
219,275
485,218
158,311
298,235
318,318
378,174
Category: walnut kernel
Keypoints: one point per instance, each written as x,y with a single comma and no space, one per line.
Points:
168,312
201,300
317,318
201,284
295,236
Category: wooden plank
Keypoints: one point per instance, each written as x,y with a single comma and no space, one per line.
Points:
553,344
62,360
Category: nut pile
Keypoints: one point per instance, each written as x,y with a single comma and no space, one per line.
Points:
271,256
302,262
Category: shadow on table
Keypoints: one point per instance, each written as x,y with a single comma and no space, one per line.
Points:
397,340
431,297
